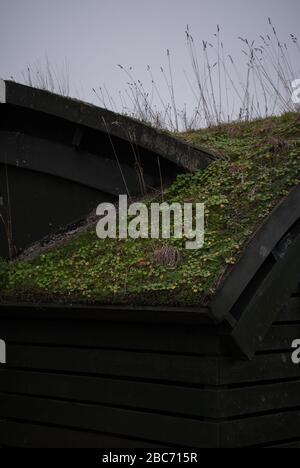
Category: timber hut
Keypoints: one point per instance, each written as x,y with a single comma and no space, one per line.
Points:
112,344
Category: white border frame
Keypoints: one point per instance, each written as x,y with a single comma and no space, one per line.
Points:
2,352
2,92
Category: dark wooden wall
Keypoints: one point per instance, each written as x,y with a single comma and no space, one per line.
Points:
100,384
260,400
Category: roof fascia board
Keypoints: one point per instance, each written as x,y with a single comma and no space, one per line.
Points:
142,314
280,221
117,125
268,301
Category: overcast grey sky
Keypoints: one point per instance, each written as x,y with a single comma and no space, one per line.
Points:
96,35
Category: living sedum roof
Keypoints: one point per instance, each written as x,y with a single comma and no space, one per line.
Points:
259,165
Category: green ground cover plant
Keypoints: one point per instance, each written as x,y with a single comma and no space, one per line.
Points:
259,165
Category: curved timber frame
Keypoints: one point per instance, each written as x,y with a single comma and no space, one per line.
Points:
255,291
60,158
89,116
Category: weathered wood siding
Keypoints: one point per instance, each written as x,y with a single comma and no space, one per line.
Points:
71,383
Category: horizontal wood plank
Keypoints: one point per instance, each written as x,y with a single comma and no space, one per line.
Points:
259,398
155,338
261,430
26,435
164,367
263,367
119,422
280,337
141,395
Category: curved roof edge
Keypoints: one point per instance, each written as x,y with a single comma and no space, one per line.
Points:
268,300
117,125
275,227
268,273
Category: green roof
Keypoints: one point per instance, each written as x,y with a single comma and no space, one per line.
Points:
259,165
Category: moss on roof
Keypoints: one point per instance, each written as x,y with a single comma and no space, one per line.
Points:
259,165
